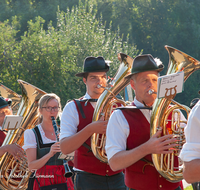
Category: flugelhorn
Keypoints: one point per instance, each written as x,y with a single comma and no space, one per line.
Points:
169,165
68,172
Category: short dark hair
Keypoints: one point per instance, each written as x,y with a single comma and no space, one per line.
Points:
85,75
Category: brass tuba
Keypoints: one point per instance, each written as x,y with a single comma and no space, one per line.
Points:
14,174
108,101
168,165
8,93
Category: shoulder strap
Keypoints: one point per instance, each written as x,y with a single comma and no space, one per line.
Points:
80,108
134,108
39,138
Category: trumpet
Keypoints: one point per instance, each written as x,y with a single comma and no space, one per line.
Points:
68,172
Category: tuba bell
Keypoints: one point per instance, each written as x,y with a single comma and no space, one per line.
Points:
14,174
8,93
169,165
108,101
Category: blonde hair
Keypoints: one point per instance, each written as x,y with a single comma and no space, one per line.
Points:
44,101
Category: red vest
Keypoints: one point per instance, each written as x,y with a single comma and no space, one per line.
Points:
141,176
2,137
85,159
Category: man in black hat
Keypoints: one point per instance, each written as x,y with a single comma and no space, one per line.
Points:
77,128
128,142
5,109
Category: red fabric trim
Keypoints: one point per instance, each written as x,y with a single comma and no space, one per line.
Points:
50,175
2,137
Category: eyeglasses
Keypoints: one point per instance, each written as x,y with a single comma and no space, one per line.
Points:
51,108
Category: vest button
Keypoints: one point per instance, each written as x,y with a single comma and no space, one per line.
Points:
160,176
107,171
160,186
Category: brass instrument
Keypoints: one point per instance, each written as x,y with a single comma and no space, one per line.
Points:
68,172
15,174
168,165
108,101
8,93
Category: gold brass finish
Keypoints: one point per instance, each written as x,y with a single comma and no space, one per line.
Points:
107,102
15,174
163,107
8,93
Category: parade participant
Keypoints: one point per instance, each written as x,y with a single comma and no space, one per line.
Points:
77,128
14,149
128,142
190,153
41,147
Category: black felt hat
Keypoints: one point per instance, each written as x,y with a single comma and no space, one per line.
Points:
5,102
143,63
93,64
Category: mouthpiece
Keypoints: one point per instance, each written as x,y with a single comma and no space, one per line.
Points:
99,86
151,91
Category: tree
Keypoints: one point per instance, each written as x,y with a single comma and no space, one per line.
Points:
50,58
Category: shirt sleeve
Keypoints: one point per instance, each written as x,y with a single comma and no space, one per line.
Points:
116,134
69,120
29,139
191,149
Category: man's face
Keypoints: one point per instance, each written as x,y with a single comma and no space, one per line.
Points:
3,112
144,82
93,80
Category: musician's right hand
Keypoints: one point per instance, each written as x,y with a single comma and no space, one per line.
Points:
158,144
15,150
55,148
98,127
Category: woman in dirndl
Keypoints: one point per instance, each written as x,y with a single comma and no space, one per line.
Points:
42,149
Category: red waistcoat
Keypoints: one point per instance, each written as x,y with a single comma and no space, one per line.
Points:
2,137
85,159
138,176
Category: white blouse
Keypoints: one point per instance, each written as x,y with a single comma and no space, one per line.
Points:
30,139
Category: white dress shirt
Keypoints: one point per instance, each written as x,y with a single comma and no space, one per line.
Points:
191,149
30,139
70,118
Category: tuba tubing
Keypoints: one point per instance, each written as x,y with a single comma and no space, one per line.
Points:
107,101
8,166
163,107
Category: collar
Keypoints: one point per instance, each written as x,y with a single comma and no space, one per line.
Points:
137,103
140,105
87,99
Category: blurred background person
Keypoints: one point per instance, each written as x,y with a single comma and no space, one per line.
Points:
190,153
14,149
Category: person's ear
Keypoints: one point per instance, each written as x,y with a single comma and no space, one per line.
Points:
84,80
132,83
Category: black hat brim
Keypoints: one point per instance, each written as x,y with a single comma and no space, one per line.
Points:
4,106
83,73
158,70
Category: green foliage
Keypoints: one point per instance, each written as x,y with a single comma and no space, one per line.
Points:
50,58
150,24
